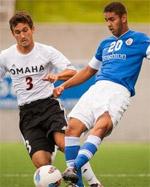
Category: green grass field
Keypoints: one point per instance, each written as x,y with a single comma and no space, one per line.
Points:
116,164
80,11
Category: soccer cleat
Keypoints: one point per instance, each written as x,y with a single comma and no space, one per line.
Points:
96,185
70,176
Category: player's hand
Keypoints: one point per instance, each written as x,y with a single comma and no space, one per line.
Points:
58,91
51,78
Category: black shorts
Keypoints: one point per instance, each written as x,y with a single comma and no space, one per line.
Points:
38,121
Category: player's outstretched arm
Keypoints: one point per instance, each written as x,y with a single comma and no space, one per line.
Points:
64,75
78,78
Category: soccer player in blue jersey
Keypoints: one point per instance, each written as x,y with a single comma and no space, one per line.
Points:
117,62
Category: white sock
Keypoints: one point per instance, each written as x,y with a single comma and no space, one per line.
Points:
89,175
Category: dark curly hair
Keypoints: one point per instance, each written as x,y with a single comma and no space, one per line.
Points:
20,17
116,7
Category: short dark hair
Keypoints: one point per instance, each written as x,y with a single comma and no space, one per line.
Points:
116,7
20,17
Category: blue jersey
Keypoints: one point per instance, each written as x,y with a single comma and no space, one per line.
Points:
122,58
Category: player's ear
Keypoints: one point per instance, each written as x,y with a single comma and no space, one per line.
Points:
124,18
33,29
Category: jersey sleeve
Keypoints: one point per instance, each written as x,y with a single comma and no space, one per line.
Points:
145,45
94,63
60,61
98,54
148,53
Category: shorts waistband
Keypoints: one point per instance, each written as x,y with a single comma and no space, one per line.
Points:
114,84
34,103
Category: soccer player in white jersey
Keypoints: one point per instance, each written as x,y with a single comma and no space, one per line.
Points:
117,62
29,63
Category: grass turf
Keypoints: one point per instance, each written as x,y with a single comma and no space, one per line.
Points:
80,11
116,164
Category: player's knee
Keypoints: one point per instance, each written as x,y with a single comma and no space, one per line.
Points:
72,131
41,158
40,163
75,128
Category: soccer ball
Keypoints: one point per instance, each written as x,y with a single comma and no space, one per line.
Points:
47,176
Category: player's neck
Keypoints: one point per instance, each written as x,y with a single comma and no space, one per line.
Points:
26,49
123,31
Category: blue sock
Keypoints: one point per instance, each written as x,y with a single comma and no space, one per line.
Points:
87,151
72,146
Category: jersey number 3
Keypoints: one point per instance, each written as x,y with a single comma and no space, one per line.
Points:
29,83
115,46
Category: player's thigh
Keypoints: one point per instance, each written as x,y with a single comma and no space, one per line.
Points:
36,140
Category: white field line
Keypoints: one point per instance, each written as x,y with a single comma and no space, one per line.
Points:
126,175
102,175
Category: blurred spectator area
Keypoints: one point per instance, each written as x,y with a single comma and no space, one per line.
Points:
7,8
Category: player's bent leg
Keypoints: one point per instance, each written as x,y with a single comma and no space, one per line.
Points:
41,158
102,127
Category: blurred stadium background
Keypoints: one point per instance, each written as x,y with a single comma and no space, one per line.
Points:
75,27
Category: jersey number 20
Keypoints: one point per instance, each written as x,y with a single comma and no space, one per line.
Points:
115,46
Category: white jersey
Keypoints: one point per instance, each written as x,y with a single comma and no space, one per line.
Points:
27,70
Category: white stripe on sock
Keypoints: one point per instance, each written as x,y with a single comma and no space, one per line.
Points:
94,140
72,141
85,152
